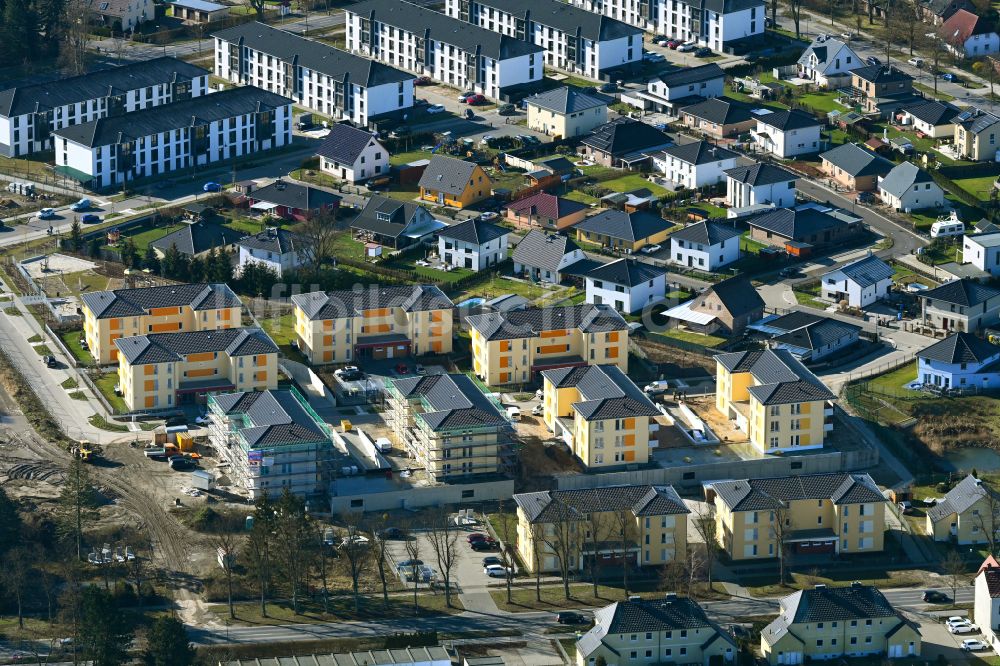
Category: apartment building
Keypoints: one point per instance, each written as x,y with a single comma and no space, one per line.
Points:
601,415
164,370
813,514
272,440
375,322
448,50
335,83
574,39
29,114
967,514
828,623
156,141
123,313
774,399
717,24
637,525
510,347
450,425
668,630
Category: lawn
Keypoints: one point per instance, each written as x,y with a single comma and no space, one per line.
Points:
411,156
281,329
344,245
694,338
493,286
822,101
99,421
316,177
582,197
71,339
749,245
978,187
941,96
144,238
923,219
810,300
106,385
341,608
633,181
893,382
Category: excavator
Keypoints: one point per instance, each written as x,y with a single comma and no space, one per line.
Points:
86,451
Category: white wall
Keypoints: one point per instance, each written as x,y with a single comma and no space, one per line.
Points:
713,88
836,282
984,258
373,162
739,195
625,299
279,263
704,257
470,255
690,175
787,144
986,611
919,196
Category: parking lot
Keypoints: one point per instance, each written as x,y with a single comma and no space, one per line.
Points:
937,640
467,573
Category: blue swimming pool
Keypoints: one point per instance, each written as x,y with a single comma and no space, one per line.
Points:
471,302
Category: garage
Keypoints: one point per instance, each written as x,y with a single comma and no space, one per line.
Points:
813,542
789,657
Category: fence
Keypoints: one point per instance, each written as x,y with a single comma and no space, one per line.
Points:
676,342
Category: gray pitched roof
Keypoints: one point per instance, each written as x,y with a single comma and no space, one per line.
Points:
699,152
857,161
166,347
566,18
95,85
738,295
962,292
447,174
344,143
192,239
139,301
817,334
933,112
706,232
272,419
642,500
902,177
441,27
719,110
763,494
279,241
626,272
626,135
788,120
352,302
795,224
567,99
976,120
193,112
397,657
528,323
780,377
295,195
605,392
451,402
762,173
688,75
543,250
960,348
960,499
388,217
339,65
882,74
629,227
867,271
474,230
828,604
826,49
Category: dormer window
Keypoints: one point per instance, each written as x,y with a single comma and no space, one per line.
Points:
382,217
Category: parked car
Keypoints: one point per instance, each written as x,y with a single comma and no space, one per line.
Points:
392,533
973,645
475,100
948,76
674,43
529,139
935,597
435,108
651,249
916,62
486,544
905,507
82,204
847,36
90,218
489,216
201,420
46,213
610,86
409,563
687,47
211,187
872,61
957,619
865,197
538,410
570,617
514,413
359,540
703,52
653,57
966,628
423,81
491,560
790,271
659,387
496,571
476,536
660,40
50,361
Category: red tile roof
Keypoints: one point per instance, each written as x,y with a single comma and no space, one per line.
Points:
546,205
989,563
962,25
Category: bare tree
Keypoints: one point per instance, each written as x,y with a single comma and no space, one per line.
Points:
708,529
355,551
16,574
911,21
795,10
536,554
774,13
561,538
293,543
507,557
320,231
626,532
954,568
259,546
674,574
258,6
413,551
987,516
780,528
599,530
226,546
136,569
695,569
937,51
378,533
319,535
444,542
73,54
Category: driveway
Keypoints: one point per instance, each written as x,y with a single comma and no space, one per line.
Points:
937,640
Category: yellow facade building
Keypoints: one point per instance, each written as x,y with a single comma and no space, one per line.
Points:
450,181
829,623
819,513
774,399
374,322
647,632
162,370
967,514
601,415
123,313
640,525
511,347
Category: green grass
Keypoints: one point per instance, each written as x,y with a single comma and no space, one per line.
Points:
281,329
810,300
246,225
344,245
106,385
12,311
491,287
582,197
42,350
316,177
410,156
144,238
78,395
99,421
942,96
70,383
341,608
923,219
695,338
822,101
35,338
71,339
895,380
633,181
978,187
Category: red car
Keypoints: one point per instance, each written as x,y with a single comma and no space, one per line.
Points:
475,99
674,43
477,536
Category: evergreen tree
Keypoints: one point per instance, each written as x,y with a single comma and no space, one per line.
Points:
105,632
151,261
196,270
222,267
76,235
130,254
169,265
50,22
168,644
76,502
19,32
10,523
94,249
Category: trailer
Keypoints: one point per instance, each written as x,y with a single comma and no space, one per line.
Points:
202,480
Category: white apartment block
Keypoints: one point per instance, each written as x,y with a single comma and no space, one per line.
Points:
446,49
711,23
29,114
204,130
574,39
317,76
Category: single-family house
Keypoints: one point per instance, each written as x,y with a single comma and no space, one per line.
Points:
473,243
566,112
808,337
860,282
719,117
986,604
545,210
977,135
855,167
393,223
960,305
675,89
800,231
967,514
623,231
352,154
969,35
760,183
883,89
547,257
828,62
695,165
708,245
623,142
726,308
198,239
449,181
937,12
292,201
960,361
908,187
122,15
933,118
626,285
278,249
982,251
787,133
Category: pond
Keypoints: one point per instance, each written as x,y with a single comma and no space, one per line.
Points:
969,458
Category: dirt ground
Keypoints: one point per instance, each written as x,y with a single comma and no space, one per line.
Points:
12,205
658,353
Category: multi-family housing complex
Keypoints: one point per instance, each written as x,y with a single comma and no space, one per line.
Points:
376,322
601,415
574,39
639,525
338,84
162,370
450,425
446,49
155,141
29,114
717,24
819,513
668,630
272,440
828,623
510,347
122,313
774,399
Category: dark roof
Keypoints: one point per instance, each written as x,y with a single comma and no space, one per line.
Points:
656,615
567,99
566,18
642,500
271,418
867,271
794,319
706,232
826,604
961,498
960,348
902,177
451,402
817,334
962,292
528,323
317,56
976,120
447,174
857,161
474,230
762,173
788,120
795,224
345,143
295,195
719,110
629,227
193,112
166,347
547,205
388,217
780,377
699,152
768,493
605,392
192,239
933,112
135,302
688,75
543,250
117,80
625,135
627,272
279,241
435,25
882,74
737,294
352,302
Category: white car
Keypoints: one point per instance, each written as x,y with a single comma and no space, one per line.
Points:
201,420
349,369
687,47
651,249
657,387
957,619
916,62
435,108
514,413
489,216
973,645
46,213
963,628
496,571
357,540
538,410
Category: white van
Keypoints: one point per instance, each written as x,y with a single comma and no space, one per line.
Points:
944,228
514,413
